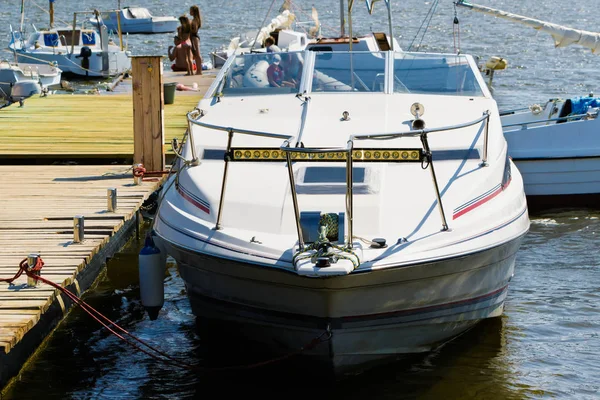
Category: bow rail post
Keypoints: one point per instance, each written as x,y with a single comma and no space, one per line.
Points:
224,183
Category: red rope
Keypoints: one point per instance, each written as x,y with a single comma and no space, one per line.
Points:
163,357
142,172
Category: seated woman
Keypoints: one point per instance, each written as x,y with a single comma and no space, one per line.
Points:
177,54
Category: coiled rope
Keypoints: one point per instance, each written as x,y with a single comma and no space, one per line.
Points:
322,247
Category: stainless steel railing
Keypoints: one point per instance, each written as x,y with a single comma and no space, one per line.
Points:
288,150
575,117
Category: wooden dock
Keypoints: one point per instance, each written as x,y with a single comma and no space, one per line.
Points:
39,202
90,126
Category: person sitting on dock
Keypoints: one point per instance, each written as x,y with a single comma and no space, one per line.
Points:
178,54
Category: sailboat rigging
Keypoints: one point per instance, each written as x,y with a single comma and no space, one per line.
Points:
563,36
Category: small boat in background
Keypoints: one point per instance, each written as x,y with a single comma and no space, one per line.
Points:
137,20
78,51
20,81
555,144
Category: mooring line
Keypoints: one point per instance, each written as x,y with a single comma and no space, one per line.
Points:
35,271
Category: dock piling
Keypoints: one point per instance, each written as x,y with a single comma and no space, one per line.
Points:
111,200
148,111
78,229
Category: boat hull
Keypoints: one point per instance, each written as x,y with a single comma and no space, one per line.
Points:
371,317
560,182
70,64
145,26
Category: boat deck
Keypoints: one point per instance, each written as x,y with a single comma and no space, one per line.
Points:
60,154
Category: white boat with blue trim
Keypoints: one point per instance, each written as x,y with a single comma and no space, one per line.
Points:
555,144
371,207
76,50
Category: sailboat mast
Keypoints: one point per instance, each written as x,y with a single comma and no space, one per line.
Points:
22,15
342,20
51,14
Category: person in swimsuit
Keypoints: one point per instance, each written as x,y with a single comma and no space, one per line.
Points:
184,32
195,25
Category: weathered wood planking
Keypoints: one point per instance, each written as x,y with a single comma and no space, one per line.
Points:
37,206
82,125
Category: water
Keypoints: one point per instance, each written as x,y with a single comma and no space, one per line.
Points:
546,344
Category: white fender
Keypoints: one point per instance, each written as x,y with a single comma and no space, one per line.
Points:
152,270
256,76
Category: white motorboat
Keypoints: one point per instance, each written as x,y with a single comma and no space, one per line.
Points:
555,144
370,211
75,50
137,20
556,147
20,81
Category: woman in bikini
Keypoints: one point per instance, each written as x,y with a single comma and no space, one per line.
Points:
184,32
195,25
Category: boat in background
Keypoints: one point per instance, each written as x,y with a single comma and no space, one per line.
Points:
318,222
555,144
77,51
135,19
20,81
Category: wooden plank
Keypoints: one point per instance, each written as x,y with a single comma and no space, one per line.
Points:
40,219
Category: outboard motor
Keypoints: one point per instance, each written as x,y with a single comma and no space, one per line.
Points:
85,53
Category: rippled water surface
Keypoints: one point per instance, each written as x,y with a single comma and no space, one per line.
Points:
546,344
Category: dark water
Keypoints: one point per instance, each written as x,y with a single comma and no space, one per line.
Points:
546,345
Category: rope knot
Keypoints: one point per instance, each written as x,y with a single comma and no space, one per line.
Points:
139,171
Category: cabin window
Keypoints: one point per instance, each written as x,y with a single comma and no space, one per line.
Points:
68,37
51,39
341,71
88,38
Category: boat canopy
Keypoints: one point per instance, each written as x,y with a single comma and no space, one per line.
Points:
563,36
342,71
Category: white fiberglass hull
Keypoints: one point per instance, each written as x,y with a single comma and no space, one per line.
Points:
115,63
412,309
551,177
559,162
150,25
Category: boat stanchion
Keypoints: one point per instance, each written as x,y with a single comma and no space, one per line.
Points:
111,199
78,229
152,273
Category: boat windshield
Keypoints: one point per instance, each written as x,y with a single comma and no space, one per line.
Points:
341,71
264,73
434,74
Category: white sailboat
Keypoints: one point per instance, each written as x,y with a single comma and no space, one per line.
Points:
77,51
370,210
556,143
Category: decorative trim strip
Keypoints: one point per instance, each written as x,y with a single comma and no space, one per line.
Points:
195,200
